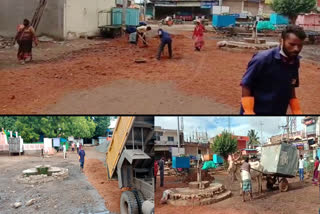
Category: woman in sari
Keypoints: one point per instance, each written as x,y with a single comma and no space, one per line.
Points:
315,171
198,36
25,36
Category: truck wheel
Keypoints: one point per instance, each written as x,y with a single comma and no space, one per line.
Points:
128,203
140,199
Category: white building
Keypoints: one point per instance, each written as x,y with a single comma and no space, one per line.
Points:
62,19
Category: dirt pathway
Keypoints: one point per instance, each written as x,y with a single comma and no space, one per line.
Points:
88,80
140,97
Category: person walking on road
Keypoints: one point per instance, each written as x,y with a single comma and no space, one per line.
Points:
161,168
165,40
198,35
82,154
25,37
155,174
246,179
72,146
315,171
268,86
301,168
78,144
64,151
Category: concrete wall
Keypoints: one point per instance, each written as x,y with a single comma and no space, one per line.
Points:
252,7
81,16
193,150
12,13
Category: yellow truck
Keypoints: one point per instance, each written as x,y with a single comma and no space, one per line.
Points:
129,159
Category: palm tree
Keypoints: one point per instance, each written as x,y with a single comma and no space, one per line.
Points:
253,137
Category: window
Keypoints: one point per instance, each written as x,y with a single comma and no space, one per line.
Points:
170,138
311,129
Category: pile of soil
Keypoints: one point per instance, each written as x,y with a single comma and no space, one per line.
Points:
109,190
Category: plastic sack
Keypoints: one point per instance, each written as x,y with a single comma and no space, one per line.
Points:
209,165
265,25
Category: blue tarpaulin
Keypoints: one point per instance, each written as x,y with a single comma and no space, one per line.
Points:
209,165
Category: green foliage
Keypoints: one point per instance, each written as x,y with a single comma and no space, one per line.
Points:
253,137
80,127
8,123
292,8
30,127
27,127
102,125
224,144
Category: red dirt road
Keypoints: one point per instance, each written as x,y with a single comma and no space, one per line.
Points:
109,191
211,74
300,199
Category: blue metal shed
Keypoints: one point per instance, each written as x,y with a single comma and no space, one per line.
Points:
132,17
223,20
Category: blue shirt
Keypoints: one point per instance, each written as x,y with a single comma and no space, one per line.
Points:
165,38
271,81
82,154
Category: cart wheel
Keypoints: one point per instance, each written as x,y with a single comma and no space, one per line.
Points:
270,183
283,185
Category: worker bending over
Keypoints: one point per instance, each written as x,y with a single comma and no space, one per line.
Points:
141,33
165,40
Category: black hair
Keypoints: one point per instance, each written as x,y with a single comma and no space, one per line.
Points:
26,22
301,156
247,159
317,157
296,30
148,28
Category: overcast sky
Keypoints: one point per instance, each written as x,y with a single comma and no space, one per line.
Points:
239,125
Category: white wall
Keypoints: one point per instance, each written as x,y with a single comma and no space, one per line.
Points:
81,16
12,13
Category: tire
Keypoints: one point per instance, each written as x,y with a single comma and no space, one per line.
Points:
140,199
128,203
284,185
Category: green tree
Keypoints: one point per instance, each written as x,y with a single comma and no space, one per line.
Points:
253,138
102,124
8,122
31,127
224,144
292,8
81,127
28,128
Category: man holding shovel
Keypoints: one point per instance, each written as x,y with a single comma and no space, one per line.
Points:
141,33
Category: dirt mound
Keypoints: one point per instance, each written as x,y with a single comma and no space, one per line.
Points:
193,177
97,176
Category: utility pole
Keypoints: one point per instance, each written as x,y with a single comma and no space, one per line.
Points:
182,124
261,124
220,4
124,13
145,9
229,124
288,129
178,133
